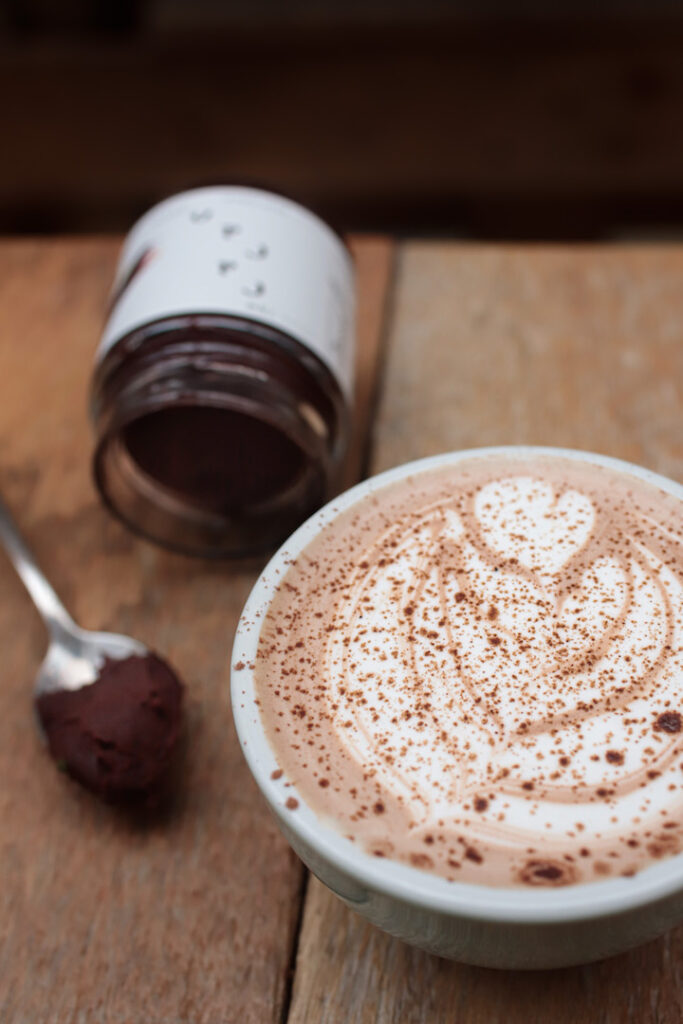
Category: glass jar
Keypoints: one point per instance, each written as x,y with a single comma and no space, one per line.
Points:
223,381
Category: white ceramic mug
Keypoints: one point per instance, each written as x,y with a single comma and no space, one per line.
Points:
477,924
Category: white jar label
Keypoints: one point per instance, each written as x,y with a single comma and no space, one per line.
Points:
242,252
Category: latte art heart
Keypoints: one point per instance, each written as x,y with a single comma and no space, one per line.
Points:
481,673
524,518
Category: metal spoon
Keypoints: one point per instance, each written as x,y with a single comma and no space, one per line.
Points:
109,709
74,656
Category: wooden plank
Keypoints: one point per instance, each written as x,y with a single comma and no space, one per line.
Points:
574,347
473,124
189,917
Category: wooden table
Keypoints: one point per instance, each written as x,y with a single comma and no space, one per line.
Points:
203,915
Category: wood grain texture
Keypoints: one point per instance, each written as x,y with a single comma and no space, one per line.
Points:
581,348
189,917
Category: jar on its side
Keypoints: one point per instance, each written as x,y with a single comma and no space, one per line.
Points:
222,385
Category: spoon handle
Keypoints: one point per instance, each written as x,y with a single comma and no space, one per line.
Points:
54,613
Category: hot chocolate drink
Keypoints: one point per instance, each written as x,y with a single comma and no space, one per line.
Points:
478,670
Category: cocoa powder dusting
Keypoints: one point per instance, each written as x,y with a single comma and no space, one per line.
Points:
460,664
669,721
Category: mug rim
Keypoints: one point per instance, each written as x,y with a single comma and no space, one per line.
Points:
574,902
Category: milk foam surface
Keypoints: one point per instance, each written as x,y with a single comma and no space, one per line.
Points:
479,671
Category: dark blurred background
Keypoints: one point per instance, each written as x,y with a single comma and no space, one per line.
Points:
475,119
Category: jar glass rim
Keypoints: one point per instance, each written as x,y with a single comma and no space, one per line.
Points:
152,509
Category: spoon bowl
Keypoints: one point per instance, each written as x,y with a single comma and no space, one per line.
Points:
75,657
